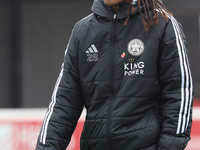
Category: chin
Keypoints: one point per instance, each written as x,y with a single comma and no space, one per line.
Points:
112,2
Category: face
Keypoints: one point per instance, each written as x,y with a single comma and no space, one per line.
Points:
113,2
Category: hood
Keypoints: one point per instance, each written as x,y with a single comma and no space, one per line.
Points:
101,9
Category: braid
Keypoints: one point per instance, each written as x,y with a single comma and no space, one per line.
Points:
143,18
146,20
149,11
156,8
128,11
155,17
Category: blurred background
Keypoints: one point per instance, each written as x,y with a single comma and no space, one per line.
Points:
33,38
34,35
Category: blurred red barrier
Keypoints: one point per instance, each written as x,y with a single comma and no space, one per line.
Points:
20,133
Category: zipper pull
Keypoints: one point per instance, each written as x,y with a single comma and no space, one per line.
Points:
115,16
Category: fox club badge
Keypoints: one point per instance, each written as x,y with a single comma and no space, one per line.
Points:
136,47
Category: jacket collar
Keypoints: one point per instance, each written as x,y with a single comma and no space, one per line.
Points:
101,9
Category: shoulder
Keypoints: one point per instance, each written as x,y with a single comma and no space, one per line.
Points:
84,22
169,28
173,29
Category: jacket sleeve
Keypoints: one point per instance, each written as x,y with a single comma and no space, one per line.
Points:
176,89
66,104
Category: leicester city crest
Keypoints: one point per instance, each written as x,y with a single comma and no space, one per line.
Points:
136,47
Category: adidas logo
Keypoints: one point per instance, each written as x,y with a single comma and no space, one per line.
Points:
92,49
92,54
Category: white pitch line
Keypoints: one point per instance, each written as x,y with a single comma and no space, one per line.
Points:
196,113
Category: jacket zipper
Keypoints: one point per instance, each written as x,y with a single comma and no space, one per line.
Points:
112,78
113,56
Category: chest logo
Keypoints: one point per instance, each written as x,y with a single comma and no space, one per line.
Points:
136,47
134,68
92,54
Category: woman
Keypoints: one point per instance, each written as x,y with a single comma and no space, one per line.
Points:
127,64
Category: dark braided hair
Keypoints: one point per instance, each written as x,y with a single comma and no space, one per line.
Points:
148,18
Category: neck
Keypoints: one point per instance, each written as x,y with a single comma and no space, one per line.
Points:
116,8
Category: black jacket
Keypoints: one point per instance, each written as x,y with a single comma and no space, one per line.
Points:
135,85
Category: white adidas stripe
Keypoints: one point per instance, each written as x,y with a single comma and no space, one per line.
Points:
87,16
186,82
53,102
51,107
188,89
186,96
